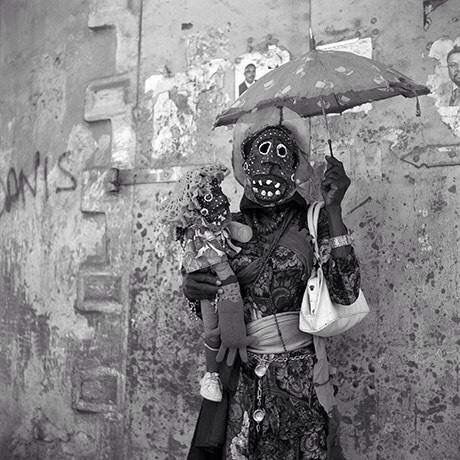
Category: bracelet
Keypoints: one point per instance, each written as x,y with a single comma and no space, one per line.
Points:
341,240
193,305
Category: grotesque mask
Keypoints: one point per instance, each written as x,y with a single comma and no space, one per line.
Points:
214,206
271,158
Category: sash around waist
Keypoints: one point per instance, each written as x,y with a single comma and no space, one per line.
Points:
267,339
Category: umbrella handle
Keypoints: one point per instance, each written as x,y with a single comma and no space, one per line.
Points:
329,141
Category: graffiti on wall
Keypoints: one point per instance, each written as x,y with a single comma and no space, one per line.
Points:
445,81
16,185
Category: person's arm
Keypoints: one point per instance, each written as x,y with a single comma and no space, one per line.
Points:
340,265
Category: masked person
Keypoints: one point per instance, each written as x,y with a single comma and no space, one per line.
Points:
281,405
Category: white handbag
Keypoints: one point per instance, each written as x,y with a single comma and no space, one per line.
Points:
318,314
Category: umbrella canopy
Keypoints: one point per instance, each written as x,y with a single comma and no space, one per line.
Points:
322,82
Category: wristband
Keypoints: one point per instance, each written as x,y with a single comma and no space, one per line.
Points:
341,240
193,305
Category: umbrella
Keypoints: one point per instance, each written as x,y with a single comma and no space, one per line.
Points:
321,82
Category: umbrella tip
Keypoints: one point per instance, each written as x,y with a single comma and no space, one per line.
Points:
312,40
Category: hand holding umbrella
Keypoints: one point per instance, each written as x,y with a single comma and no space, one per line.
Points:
335,183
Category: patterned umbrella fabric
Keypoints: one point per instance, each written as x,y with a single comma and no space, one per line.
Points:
323,82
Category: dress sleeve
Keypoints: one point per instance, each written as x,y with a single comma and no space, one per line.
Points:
341,273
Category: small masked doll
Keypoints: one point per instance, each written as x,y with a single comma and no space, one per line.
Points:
199,212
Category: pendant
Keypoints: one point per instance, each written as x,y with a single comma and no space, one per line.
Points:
258,415
260,370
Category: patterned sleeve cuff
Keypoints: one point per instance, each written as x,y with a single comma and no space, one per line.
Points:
343,278
194,308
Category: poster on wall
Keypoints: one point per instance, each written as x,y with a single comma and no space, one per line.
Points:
359,46
249,67
428,7
445,81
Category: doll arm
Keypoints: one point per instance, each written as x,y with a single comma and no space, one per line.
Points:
239,232
231,326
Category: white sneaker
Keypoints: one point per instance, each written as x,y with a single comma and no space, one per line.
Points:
211,387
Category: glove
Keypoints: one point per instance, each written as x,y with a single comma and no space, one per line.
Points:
232,332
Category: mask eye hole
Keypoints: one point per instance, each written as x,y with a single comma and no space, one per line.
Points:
208,197
204,212
281,150
265,147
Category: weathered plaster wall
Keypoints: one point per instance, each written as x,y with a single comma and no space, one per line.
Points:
399,395
63,289
398,371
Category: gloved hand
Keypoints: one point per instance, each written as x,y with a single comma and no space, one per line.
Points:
232,332
201,284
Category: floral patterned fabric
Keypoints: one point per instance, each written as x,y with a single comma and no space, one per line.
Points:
295,425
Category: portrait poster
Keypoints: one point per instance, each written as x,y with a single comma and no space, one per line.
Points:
249,67
444,83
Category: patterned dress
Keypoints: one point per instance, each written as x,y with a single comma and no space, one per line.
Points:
295,425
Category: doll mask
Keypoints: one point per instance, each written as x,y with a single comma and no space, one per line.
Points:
270,162
214,206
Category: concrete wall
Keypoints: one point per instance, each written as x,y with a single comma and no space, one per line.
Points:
99,358
63,291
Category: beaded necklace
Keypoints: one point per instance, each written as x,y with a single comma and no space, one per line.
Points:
269,226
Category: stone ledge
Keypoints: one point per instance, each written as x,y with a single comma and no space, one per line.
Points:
99,292
97,390
107,98
120,17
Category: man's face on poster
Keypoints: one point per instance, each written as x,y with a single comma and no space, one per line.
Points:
453,67
250,73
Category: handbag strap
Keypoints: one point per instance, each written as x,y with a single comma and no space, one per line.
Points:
312,220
